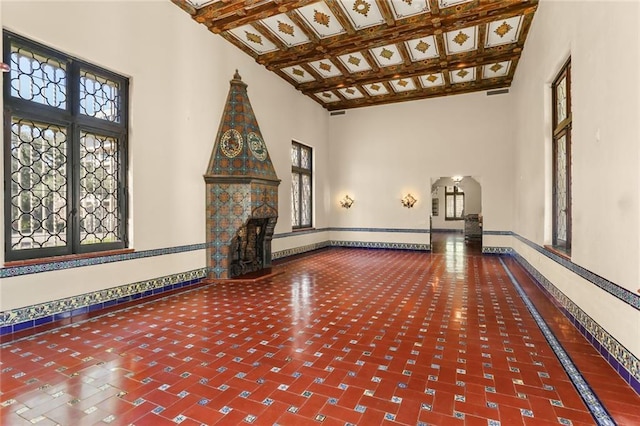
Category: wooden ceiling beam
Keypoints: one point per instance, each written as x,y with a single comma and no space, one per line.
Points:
335,8
386,13
388,73
415,95
229,14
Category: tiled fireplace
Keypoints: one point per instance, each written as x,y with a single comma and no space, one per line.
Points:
242,192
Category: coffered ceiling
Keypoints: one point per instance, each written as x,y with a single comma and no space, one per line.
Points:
353,53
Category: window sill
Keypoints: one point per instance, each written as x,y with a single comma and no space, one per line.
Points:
53,259
309,228
560,252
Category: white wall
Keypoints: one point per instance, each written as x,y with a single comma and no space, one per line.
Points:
378,154
602,38
179,82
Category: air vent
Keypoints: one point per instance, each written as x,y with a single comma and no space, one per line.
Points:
497,92
337,112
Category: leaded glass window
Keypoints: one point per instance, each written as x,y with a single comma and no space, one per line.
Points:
301,186
65,157
562,159
454,203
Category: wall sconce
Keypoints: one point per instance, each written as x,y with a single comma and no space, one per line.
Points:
408,201
346,202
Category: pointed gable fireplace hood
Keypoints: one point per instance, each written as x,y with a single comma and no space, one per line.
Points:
241,192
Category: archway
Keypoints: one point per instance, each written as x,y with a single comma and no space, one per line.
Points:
456,215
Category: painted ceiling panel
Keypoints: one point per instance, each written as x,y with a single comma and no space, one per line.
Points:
354,53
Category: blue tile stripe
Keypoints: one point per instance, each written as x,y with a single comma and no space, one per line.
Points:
389,230
14,271
613,289
617,355
43,313
381,245
596,408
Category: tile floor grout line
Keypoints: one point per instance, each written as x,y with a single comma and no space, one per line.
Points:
593,403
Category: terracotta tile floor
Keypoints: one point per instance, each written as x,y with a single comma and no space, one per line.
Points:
343,336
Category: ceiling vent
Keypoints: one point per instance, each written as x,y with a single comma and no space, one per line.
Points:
338,112
497,92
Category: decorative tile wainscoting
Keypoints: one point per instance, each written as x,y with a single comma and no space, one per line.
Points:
36,315
618,356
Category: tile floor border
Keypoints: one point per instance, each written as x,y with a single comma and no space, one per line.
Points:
597,409
617,355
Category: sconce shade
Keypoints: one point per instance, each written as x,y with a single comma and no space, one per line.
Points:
408,201
346,202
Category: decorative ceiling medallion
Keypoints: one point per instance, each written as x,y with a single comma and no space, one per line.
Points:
464,75
351,93
254,38
300,75
422,46
432,80
321,18
403,85
499,69
376,89
318,16
362,7
327,97
354,61
386,54
461,38
406,8
325,67
285,28
503,29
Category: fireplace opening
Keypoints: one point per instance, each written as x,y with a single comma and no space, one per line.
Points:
249,248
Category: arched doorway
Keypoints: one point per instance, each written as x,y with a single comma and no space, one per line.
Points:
456,215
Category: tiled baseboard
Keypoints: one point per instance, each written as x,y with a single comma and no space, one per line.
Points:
44,313
619,357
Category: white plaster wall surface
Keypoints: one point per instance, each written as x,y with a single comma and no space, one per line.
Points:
300,240
380,237
602,39
179,75
25,290
379,153
620,319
